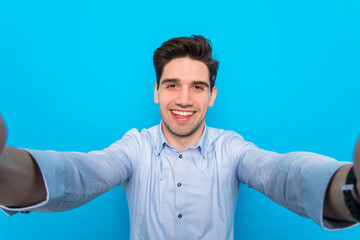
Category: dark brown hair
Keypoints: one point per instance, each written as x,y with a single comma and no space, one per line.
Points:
195,47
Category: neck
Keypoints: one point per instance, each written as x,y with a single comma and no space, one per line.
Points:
182,142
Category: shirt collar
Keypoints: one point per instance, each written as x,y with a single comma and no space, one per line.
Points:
202,142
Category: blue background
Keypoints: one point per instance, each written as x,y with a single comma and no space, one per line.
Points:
77,75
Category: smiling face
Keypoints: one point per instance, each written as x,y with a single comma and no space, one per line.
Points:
183,96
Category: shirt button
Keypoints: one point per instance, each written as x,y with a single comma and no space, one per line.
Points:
180,156
180,216
179,184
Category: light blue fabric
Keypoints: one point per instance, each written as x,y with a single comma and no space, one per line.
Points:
201,183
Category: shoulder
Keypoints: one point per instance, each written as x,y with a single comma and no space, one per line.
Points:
136,138
216,135
227,141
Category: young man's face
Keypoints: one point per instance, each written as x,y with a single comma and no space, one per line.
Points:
183,97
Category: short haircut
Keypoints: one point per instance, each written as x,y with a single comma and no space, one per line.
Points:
195,47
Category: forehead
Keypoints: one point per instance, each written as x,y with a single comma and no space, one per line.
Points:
186,69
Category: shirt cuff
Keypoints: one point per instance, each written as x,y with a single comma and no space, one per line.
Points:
318,214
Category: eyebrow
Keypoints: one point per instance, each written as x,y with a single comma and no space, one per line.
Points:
169,80
176,80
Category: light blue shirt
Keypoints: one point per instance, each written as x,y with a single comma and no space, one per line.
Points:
185,195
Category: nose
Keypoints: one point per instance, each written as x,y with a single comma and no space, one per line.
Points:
184,98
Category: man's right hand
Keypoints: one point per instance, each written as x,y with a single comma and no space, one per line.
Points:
3,134
21,182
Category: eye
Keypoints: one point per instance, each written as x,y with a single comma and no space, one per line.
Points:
198,87
171,86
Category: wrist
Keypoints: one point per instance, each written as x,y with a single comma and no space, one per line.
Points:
356,192
351,196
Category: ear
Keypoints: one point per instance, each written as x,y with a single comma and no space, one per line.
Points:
212,97
156,94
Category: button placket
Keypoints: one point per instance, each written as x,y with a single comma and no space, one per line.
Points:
179,183
179,180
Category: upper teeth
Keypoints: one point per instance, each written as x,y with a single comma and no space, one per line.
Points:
182,113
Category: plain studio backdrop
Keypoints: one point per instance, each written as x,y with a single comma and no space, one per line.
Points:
77,75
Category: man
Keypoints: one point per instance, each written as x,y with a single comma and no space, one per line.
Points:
181,177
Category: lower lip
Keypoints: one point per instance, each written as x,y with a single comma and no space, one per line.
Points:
180,118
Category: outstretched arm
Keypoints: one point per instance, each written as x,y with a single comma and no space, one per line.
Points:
21,182
335,207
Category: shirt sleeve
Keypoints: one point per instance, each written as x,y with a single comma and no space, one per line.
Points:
73,179
296,180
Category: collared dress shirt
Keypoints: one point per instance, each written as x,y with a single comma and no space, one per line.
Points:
185,195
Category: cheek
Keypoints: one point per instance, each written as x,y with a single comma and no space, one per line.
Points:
164,99
205,103
162,104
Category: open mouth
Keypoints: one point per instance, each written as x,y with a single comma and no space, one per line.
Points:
182,113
